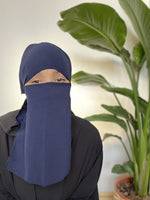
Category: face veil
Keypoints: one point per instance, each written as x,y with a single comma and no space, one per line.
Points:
41,152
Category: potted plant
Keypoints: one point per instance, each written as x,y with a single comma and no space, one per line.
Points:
99,27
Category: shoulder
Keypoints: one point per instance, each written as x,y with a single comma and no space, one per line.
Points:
87,131
85,127
9,114
8,120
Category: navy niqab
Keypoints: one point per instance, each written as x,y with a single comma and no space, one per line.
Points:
41,152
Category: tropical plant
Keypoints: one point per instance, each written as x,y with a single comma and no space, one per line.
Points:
99,27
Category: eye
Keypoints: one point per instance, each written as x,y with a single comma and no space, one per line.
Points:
36,81
60,79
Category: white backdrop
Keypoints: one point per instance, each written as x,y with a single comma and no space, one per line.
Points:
25,22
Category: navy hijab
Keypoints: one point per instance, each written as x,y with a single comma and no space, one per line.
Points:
41,152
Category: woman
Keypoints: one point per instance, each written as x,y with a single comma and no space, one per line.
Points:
46,151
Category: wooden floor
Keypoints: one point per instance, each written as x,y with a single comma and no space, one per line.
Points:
106,195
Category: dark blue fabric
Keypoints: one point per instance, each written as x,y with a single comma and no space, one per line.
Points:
41,152
43,56
22,112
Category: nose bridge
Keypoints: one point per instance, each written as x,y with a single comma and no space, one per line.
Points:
48,77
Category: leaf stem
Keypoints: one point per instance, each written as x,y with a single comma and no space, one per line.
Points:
126,150
148,107
135,90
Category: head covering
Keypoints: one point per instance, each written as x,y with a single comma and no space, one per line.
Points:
41,152
42,56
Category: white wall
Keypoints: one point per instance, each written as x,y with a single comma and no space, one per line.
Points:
25,22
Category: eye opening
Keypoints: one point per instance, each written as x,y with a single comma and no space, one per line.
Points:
36,80
60,78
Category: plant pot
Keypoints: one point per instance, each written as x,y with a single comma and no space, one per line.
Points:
117,194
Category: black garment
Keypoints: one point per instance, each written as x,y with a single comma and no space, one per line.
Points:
86,163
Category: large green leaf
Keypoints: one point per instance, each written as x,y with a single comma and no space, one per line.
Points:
95,25
139,54
107,118
127,167
121,112
139,15
118,169
83,77
128,93
108,135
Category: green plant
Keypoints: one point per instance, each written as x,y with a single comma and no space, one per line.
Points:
99,27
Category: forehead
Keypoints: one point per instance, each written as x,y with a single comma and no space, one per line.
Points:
47,72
